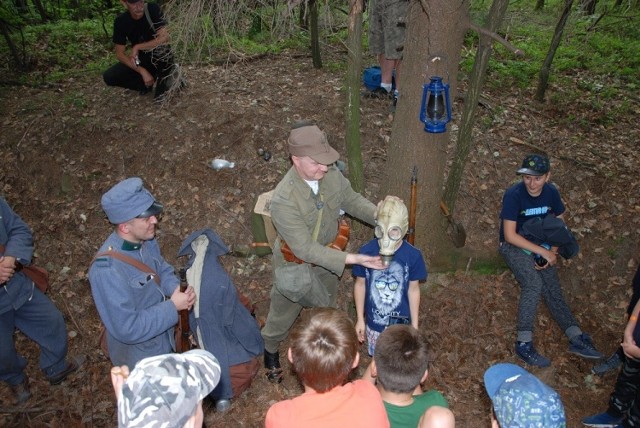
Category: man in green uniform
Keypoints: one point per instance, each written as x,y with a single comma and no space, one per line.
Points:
305,209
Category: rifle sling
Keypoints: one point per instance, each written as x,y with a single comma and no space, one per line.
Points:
130,260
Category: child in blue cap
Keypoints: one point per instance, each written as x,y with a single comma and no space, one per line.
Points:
521,400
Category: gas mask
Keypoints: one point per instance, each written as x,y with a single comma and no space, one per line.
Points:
392,223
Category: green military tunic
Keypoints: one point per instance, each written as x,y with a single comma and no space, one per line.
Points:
296,213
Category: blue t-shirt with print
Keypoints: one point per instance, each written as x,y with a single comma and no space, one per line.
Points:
519,206
386,290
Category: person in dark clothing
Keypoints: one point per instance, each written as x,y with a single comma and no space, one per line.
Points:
150,59
616,359
624,402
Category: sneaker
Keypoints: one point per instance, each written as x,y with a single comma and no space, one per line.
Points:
582,346
611,363
21,391
529,355
73,365
602,420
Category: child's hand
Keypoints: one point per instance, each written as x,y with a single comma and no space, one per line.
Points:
360,330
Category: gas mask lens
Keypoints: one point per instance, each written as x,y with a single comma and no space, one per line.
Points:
394,233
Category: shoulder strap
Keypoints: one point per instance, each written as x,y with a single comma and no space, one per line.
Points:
130,260
146,13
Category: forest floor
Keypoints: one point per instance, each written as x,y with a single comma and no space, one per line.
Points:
62,146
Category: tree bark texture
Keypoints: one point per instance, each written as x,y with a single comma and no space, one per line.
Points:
315,34
555,42
352,113
588,7
41,10
435,29
478,73
4,28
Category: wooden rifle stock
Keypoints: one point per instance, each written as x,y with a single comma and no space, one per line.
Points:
413,201
183,340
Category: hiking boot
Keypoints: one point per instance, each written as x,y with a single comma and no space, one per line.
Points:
529,355
611,363
21,391
73,365
583,346
602,420
272,364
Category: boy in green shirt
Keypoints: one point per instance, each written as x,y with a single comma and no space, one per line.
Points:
399,367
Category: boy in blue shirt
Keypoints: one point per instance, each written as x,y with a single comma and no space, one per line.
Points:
391,295
535,197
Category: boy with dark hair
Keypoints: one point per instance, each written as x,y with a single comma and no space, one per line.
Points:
400,365
323,351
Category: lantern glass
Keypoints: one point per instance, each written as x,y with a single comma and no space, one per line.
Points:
435,106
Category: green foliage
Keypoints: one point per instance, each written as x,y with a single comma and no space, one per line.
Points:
608,50
489,267
75,99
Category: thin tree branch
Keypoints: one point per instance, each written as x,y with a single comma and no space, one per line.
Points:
497,38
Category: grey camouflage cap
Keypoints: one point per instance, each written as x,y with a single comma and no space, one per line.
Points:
164,391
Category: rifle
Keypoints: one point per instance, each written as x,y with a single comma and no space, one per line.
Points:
413,201
183,332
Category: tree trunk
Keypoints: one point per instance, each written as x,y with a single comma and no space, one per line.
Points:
303,17
315,34
555,42
588,7
494,19
22,6
435,31
354,67
41,10
539,5
4,28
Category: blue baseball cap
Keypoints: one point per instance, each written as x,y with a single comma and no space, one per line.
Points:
534,165
129,199
521,400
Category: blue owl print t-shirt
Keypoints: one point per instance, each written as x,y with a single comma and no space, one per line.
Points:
386,299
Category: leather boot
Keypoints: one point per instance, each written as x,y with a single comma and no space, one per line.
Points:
272,364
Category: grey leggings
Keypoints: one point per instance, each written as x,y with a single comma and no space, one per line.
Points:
533,284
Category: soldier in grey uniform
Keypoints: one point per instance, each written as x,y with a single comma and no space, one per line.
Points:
25,307
305,209
138,311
